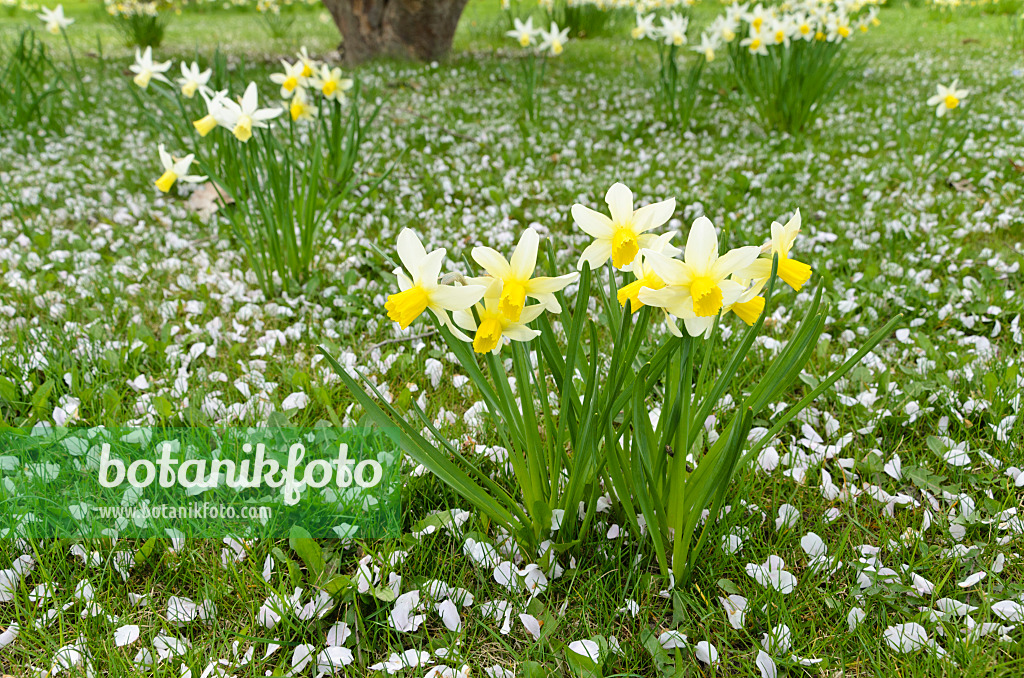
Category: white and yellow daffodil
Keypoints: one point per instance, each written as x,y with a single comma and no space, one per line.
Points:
673,29
291,80
697,288
54,19
145,69
516,276
646,276
794,273
947,98
523,32
330,83
750,304
623,235
300,107
309,64
175,170
644,26
420,286
192,80
214,103
495,328
553,40
242,117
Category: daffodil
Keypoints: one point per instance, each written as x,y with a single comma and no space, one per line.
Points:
330,83
553,39
707,47
516,276
697,287
794,273
673,29
523,32
214,104
756,42
192,79
145,69
750,305
175,170
495,328
309,64
54,19
242,117
420,288
947,98
623,235
300,107
644,26
291,80
646,276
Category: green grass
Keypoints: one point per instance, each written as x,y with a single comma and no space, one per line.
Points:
97,272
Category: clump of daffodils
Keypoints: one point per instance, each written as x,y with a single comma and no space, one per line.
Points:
790,60
696,285
141,23
540,42
677,91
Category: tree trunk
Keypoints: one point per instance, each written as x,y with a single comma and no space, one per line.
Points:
406,29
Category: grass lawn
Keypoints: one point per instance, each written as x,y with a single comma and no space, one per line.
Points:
119,305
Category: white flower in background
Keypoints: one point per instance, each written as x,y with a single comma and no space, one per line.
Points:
673,29
145,69
309,64
300,107
242,117
947,98
291,80
192,80
707,47
553,39
330,83
696,288
54,19
756,42
621,237
523,32
175,170
644,26
516,276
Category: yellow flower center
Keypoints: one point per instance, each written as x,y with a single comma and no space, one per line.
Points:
749,311
142,79
631,292
488,335
637,33
53,27
290,83
804,29
757,22
205,125
754,44
243,128
189,89
306,69
844,31
794,273
329,87
819,35
513,299
951,101
404,307
780,36
524,39
166,180
709,54
298,109
624,246
556,47
707,296
729,36
677,39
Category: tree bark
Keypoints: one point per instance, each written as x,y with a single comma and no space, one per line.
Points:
420,30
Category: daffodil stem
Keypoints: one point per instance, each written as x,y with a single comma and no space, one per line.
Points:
74,64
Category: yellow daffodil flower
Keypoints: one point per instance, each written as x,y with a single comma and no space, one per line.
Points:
794,273
622,236
516,276
494,328
696,288
175,170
